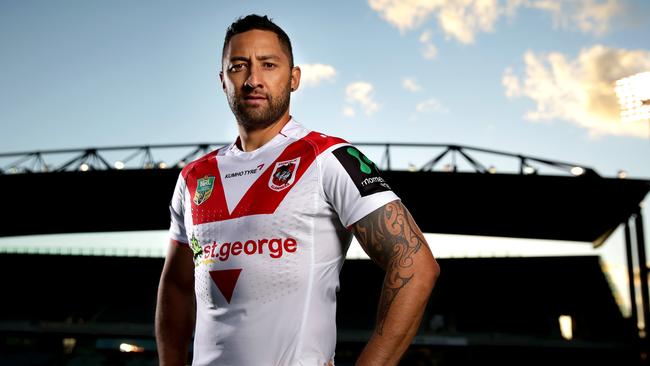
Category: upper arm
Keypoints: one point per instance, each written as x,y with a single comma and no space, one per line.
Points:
392,239
354,187
352,184
179,266
177,229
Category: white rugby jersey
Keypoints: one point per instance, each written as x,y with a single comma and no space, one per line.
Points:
268,229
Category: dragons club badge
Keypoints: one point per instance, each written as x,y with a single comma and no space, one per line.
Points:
284,173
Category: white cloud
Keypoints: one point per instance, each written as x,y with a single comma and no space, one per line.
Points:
429,50
349,111
426,36
458,19
404,14
361,93
580,91
431,105
589,16
411,85
511,82
462,20
314,74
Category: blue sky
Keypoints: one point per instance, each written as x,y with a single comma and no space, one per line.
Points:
525,76
91,73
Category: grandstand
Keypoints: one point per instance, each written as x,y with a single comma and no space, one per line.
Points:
90,310
503,310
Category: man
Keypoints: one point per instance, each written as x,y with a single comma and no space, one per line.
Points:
260,229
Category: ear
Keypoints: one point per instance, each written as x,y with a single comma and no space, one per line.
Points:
223,84
295,78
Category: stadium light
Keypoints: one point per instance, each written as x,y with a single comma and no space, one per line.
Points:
576,170
69,345
119,165
566,327
84,167
125,347
633,94
528,170
622,174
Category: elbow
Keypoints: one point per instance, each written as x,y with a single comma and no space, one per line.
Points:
436,270
431,273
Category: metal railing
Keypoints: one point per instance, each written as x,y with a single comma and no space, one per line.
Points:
143,157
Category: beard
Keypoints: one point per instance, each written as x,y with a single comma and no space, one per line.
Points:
261,116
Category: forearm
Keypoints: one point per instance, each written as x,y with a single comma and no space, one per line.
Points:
392,239
174,324
398,317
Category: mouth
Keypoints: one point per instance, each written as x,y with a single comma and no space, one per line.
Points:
254,99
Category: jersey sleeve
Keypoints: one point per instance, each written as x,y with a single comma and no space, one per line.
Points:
177,212
352,184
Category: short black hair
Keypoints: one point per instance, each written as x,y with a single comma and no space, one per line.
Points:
254,21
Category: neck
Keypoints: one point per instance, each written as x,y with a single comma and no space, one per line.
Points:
254,139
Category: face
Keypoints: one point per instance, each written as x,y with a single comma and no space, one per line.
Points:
258,79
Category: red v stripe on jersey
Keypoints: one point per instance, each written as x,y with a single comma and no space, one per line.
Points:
226,280
206,167
260,198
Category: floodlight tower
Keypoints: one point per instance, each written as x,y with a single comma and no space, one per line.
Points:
633,94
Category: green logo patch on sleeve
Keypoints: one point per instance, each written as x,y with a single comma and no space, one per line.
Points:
363,171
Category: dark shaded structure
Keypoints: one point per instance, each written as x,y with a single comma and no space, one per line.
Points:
483,309
585,208
503,310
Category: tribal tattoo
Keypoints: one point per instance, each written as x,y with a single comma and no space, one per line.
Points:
390,237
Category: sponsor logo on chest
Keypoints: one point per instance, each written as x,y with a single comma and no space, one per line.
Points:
226,279
244,172
221,252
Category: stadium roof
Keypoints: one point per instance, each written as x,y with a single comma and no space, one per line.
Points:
586,208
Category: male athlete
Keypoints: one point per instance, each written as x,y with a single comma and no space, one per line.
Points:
260,229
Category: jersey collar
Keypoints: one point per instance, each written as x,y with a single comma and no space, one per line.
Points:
291,130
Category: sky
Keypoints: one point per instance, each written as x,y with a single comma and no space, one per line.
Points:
532,77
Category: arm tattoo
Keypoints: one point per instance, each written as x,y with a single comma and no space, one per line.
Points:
390,237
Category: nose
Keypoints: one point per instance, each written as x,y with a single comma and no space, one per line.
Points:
254,78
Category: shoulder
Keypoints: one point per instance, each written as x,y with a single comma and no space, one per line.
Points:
201,162
316,141
321,142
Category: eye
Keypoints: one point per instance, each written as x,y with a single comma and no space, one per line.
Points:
268,65
236,67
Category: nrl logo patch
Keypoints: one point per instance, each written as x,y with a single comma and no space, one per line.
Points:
284,173
203,189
